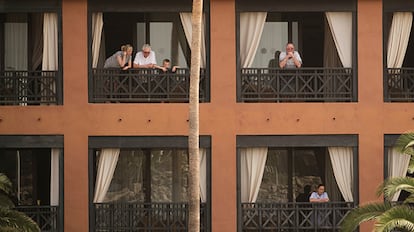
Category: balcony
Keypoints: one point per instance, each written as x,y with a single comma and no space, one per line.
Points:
144,85
297,85
47,217
399,85
146,217
29,88
294,216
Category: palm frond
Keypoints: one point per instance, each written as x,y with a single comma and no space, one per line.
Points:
398,217
5,201
14,219
411,165
395,184
362,214
409,199
5,184
405,143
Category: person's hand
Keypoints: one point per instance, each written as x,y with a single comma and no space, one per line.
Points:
290,55
125,53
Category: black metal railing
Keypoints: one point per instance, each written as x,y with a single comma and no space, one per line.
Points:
297,85
399,85
294,216
146,217
144,85
47,217
28,87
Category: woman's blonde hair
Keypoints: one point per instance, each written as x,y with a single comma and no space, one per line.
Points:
125,47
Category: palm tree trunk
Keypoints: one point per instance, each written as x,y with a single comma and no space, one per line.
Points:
193,138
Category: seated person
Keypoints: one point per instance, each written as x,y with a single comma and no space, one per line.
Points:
145,58
290,58
304,197
120,59
274,63
166,66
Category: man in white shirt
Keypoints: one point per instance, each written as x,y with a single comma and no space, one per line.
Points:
290,58
145,58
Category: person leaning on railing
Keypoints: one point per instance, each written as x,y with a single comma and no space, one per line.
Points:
145,58
319,195
120,59
166,66
290,58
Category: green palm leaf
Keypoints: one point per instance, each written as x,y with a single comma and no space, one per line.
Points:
395,184
411,165
14,219
409,199
5,184
405,144
398,217
5,201
362,214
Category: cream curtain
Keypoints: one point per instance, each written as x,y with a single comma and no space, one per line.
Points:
397,166
251,28
343,166
203,174
398,38
186,22
50,42
97,25
340,24
252,162
106,167
54,176
50,53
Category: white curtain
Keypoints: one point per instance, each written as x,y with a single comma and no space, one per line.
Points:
398,38
340,24
106,167
251,28
397,166
343,166
54,176
188,30
50,42
97,25
203,174
50,53
252,162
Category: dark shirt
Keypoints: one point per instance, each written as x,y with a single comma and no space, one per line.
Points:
303,197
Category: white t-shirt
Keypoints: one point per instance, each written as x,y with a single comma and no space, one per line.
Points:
141,60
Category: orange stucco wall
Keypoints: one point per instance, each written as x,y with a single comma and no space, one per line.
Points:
222,118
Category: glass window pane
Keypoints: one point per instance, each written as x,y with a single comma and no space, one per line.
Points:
308,169
274,187
15,46
274,37
165,45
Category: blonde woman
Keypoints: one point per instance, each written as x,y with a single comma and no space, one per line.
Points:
120,59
